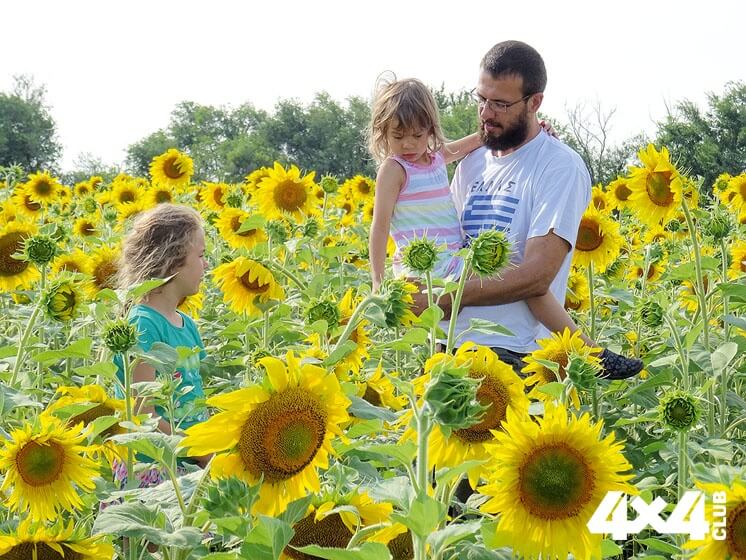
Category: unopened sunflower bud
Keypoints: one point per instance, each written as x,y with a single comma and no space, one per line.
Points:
323,309
490,252
720,225
582,372
62,301
421,255
452,398
679,410
120,336
651,313
39,249
277,231
398,297
255,356
329,184
234,199
110,214
311,228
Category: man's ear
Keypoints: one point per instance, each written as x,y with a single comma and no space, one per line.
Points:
535,102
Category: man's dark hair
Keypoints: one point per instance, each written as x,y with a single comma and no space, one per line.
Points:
514,58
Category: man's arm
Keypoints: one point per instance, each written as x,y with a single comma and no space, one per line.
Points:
542,260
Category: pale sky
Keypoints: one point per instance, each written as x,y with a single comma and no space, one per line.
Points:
114,70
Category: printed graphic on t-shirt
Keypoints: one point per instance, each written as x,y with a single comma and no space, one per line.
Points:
484,211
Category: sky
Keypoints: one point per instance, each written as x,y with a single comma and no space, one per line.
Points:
114,70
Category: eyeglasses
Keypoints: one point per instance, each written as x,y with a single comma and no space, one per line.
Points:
495,106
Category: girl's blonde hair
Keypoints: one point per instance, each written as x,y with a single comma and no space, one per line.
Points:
407,104
158,243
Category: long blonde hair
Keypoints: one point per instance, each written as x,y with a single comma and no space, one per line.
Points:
158,243
409,105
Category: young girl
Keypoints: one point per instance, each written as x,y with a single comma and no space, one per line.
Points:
413,198
166,241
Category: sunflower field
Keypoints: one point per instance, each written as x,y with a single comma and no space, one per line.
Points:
335,426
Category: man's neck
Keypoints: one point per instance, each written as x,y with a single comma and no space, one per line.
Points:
534,130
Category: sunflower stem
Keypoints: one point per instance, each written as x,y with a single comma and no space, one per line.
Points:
724,375
703,311
591,282
127,372
683,458
429,282
285,272
424,425
194,500
22,344
681,350
355,318
456,303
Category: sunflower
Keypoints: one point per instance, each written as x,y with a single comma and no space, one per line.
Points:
501,389
353,361
230,222
347,205
88,187
76,261
398,539
548,476
733,547
367,212
42,188
43,466
158,194
737,266
332,524
64,298
598,241
379,391
283,192
577,296
280,432
25,205
735,194
657,187
600,199
558,349
655,271
86,227
172,168
15,273
104,267
212,195
255,177
244,281
656,234
618,194
58,542
192,305
124,193
359,188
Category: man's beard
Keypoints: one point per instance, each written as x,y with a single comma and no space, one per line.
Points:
508,138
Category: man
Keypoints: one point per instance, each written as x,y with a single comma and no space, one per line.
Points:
534,188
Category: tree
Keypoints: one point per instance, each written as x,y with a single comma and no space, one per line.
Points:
85,166
712,142
27,130
140,154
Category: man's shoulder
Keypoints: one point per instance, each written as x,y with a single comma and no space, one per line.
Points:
559,154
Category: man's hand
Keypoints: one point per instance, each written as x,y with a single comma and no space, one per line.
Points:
420,300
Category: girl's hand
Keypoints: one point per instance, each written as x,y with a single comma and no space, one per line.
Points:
547,126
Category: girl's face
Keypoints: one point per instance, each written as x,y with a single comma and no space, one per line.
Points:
410,145
189,275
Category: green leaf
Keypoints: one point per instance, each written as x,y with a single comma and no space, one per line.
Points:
553,389
104,369
360,408
339,353
8,351
424,515
415,336
722,356
367,551
431,316
733,290
296,510
267,539
610,548
667,360
659,545
453,533
484,326
136,519
161,447
736,321
139,290
10,399
375,315
255,221
444,476
397,490
81,348
403,452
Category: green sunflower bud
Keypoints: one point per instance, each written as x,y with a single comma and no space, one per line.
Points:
277,231
452,397
89,205
323,309
582,373
256,355
421,255
330,184
110,214
398,300
234,199
311,228
39,249
490,252
720,225
674,226
679,410
650,313
656,252
62,301
120,336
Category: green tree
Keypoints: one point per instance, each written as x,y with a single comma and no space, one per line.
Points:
141,153
711,142
27,130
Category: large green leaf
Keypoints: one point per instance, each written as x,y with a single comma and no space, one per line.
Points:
136,519
267,539
424,515
367,551
81,348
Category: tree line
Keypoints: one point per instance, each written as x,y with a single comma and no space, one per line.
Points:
328,136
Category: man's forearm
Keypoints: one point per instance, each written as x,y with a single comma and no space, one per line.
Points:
514,285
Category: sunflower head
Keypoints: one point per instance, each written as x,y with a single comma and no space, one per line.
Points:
399,300
172,168
679,410
40,249
325,309
285,192
451,395
311,228
329,184
59,541
278,231
120,336
719,225
650,312
63,300
490,252
420,255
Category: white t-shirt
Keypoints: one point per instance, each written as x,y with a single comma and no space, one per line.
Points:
542,186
